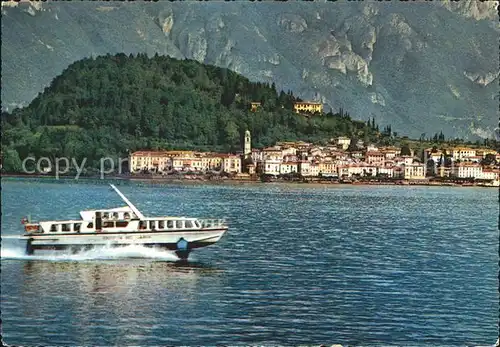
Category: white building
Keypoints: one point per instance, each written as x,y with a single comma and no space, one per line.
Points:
314,169
386,171
257,155
289,167
413,171
305,168
231,163
491,174
360,169
343,142
462,152
467,170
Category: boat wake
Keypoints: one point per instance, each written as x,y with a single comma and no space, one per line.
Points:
98,253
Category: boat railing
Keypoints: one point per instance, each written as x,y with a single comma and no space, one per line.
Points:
212,223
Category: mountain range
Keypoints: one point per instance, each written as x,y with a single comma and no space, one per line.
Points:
422,67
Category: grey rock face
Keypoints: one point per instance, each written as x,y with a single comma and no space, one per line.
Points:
292,22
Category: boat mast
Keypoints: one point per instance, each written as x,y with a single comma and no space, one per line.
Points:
132,207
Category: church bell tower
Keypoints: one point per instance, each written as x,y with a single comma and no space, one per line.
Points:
247,147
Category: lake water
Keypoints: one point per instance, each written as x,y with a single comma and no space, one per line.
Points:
301,265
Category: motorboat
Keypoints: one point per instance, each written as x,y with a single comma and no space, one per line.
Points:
122,226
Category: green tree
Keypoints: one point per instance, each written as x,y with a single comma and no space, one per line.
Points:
11,162
489,159
405,149
353,146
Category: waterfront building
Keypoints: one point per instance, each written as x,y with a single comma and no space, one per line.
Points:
387,171
288,167
211,161
491,174
328,168
271,166
314,169
272,159
443,171
183,161
413,171
467,170
231,163
163,161
148,160
305,168
356,169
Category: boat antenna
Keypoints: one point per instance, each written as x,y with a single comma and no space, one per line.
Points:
132,207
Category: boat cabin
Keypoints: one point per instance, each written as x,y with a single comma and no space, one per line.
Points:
109,223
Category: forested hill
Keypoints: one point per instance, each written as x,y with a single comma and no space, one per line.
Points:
110,105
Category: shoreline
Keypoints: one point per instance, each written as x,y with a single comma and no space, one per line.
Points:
233,181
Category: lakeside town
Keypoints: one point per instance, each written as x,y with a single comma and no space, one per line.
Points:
340,161
335,162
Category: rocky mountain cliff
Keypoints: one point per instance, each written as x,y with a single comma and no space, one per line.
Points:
422,67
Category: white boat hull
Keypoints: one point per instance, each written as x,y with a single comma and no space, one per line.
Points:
166,239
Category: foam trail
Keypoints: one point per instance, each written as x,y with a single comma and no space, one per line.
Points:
98,253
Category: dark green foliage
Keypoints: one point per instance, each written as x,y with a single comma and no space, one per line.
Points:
489,159
405,149
11,160
110,105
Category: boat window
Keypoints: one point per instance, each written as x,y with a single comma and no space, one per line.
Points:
90,225
126,215
142,225
188,224
197,224
65,227
161,224
121,224
108,225
178,224
170,224
152,224
76,227
53,228
115,215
